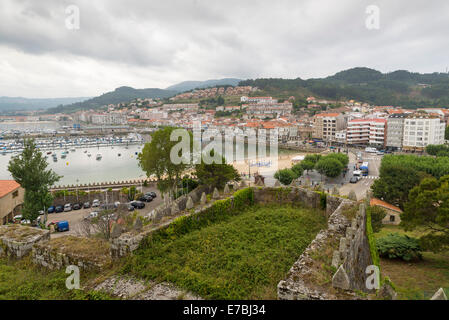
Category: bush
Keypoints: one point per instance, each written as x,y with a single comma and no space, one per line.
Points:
396,246
377,215
285,176
298,169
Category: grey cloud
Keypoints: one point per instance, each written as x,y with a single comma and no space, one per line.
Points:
170,41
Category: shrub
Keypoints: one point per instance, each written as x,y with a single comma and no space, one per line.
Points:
285,176
396,246
377,215
298,169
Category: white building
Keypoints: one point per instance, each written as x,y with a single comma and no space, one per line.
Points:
109,118
420,130
366,131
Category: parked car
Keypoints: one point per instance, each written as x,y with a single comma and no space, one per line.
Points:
137,204
131,208
146,198
67,207
86,205
59,209
152,194
60,226
17,218
76,206
91,215
116,204
354,180
41,212
51,209
96,203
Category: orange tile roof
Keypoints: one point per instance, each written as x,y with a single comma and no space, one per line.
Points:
327,115
380,203
7,186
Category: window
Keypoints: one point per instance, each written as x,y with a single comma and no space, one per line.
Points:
392,218
15,194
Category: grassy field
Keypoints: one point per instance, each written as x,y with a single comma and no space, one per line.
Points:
243,257
22,280
416,280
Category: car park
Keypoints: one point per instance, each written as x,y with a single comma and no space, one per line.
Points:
67,207
86,205
59,209
51,209
108,206
137,204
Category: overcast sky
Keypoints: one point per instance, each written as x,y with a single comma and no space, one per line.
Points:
149,43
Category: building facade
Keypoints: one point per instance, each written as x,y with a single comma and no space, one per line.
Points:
420,130
11,200
366,131
395,131
326,125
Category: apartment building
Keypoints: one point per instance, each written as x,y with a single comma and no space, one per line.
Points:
422,129
109,118
258,100
153,115
366,131
326,125
269,110
395,130
181,106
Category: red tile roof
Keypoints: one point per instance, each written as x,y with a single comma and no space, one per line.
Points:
380,203
7,186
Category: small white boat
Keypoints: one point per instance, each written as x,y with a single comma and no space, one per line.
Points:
98,157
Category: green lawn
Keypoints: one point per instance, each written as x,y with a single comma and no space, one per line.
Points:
22,280
242,257
416,280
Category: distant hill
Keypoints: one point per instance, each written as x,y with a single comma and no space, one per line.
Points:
8,104
398,88
190,85
119,95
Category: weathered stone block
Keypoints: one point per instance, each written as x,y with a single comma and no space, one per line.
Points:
439,295
340,279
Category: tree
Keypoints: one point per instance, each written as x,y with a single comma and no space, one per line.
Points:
341,157
428,208
329,167
216,174
29,169
298,169
446,133
155,159
377,215
307,165
285,176
394,183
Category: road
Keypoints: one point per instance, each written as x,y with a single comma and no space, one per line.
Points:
360,188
